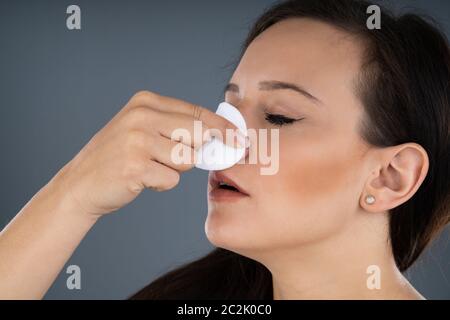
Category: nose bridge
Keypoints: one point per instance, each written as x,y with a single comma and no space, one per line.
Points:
248,108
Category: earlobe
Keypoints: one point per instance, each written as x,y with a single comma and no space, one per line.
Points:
370,199
399,175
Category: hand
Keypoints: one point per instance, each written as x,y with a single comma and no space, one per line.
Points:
133,152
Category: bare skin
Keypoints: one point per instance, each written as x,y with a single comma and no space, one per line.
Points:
308,224
131,153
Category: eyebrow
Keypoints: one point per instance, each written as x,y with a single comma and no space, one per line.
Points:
275,85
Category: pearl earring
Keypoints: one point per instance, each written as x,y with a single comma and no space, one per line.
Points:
370,199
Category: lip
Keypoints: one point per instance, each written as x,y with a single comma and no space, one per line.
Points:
219,194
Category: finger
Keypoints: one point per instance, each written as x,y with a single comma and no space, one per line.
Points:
175,155
196,133
159,177
184,129
174,126
163,103
220,127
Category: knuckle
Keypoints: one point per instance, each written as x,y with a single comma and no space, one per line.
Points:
135,187
171,180
136,115
133,168
142,94
137,138
145,95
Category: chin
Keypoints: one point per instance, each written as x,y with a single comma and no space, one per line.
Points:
225,231
218,229
231,234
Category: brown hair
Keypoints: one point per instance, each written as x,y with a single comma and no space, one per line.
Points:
404,87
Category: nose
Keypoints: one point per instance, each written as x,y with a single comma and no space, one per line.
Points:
248,112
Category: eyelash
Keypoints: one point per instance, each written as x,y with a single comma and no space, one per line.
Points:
278,119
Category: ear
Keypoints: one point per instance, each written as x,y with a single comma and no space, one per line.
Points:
400,171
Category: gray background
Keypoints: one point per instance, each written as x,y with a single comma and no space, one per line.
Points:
58,87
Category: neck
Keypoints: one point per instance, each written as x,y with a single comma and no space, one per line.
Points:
350,265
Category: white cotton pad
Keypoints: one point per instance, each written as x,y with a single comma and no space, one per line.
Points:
215,155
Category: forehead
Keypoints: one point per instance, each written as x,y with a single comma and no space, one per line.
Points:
303,51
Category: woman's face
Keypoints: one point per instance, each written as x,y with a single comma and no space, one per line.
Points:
315,193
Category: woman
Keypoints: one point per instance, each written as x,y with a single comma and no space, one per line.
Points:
363,179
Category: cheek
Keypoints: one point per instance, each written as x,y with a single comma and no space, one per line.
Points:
315,171
315,191
313,195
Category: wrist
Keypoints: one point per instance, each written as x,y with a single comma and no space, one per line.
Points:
61,196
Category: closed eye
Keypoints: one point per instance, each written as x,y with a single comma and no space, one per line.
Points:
278,119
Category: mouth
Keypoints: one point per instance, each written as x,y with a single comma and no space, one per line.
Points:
224,188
